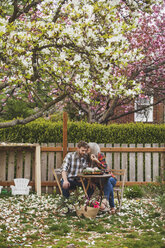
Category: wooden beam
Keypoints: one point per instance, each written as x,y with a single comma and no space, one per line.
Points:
38,170
49,183
127,149
133,149
31,183
72,149
7,183
51,149
137,183
109,149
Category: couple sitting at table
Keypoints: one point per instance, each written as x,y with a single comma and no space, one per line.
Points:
87,154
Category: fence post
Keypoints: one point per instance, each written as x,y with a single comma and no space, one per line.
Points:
38,169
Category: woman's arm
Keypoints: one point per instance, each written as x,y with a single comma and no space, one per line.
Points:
100,161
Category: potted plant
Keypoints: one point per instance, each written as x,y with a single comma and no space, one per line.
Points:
85,206
89,210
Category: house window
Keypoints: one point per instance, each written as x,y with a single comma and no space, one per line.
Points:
145,115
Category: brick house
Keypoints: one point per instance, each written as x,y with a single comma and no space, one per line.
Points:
154,114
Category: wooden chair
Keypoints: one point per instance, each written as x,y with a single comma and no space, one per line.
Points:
119,190
57,176
21,186
1,188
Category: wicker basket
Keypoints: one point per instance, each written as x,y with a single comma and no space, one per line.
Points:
88,212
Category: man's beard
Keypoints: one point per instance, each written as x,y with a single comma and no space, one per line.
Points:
82,155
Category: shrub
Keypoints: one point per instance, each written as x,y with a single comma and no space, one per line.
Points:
45,131
134,191
161,201
155,189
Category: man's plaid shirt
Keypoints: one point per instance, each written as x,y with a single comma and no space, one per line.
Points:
73,164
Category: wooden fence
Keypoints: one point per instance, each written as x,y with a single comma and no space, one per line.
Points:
144,163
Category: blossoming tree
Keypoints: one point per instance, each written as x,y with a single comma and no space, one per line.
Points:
80,50
148,39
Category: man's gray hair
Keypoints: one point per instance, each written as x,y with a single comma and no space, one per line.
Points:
94,148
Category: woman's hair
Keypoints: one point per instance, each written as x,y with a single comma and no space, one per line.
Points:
94,148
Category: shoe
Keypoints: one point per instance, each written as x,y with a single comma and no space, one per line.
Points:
113,210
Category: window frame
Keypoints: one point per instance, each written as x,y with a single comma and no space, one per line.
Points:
145,115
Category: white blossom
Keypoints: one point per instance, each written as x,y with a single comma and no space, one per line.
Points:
101,49
62,55
77,57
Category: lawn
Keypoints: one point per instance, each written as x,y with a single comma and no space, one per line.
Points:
34,221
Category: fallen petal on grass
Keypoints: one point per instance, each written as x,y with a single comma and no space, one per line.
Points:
34,221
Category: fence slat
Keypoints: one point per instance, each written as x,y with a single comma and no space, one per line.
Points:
19,167
71,145
117,160
33,169
162,164
140,164
43,168
109,157
147,165
50,167
58,157
132,170
124,161
11,166
155,164
27,167
2,165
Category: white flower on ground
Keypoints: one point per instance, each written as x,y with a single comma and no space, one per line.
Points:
101,49
77,57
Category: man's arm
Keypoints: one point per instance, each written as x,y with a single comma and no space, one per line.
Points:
65,168
66,183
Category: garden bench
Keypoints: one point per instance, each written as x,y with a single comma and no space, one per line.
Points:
21,186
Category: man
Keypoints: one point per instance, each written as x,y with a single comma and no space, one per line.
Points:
73,164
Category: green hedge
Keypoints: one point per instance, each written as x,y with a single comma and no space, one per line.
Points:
43,131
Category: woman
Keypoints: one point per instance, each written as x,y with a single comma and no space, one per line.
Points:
97,159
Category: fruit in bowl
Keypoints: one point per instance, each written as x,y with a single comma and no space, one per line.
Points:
92,171
97,171
88,170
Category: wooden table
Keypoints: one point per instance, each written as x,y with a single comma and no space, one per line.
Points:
89,178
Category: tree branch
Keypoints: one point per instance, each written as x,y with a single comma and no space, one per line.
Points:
18,12
36,95
4,85
32,117
148,69
152,68
79,105
58,11
133,111
110,111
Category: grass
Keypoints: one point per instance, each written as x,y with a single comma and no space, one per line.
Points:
33,221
